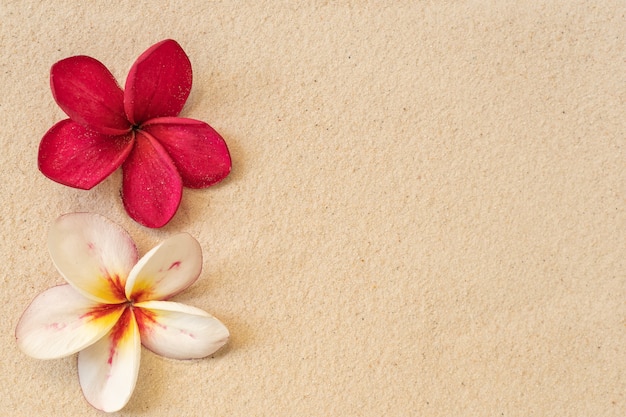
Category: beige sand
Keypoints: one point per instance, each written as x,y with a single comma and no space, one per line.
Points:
425,216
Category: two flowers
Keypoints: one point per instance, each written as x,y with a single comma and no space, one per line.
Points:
113,302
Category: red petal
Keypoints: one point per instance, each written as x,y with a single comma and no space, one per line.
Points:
86,90
158,83
152,188
199,152
81,158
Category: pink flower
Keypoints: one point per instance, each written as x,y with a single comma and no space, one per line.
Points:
137,129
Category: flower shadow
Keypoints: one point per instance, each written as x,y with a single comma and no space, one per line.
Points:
196,204
149,385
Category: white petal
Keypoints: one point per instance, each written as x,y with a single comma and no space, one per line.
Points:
108,369
179,331
166,270
93,254
60,322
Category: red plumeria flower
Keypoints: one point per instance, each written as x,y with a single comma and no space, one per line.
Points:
136,128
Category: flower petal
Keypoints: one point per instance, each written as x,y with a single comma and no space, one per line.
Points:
158,83
165,270
108,369
179,331
151,187
93,254
73,155
60,322
88,93
198,151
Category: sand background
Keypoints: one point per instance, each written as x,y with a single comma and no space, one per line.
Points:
425,215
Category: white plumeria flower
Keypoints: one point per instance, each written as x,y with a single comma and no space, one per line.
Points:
113,304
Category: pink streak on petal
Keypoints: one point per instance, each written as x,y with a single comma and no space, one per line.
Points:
199,152
165,270
93,254
117,333
108,369
60,322
158,83
152,188
146,320
179,331
73,155
88,93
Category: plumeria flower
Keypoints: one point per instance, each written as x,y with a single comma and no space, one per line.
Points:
137,129
112,304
